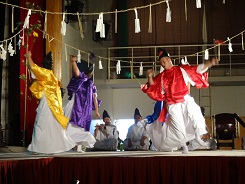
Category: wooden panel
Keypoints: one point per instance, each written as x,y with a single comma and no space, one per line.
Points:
53,29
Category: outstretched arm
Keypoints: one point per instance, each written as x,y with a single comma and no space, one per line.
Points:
96,106
150,76
211,62
74,66
29,59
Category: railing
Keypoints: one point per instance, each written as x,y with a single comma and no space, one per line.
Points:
231,63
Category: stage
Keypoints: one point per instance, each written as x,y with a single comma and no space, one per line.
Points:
123,167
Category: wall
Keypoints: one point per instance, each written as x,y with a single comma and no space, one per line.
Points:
73,38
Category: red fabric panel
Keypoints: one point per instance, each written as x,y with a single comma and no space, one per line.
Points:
121,170
37,55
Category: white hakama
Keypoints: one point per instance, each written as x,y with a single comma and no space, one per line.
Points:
48,135
78,134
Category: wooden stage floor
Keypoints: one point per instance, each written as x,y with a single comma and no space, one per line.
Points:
123,167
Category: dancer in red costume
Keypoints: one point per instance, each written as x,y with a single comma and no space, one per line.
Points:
185,121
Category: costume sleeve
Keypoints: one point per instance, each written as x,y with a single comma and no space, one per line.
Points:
40,73
201,80
155,91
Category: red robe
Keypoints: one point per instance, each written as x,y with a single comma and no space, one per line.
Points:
170,85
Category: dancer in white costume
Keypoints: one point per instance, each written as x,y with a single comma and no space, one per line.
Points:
185,121
49,132
83,100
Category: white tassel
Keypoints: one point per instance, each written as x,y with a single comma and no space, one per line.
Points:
26,23
141,69
168,13
184,61
137,22
78,57
223,2
100,65
185,11
242,42
63,26
198,3
100,26
10,49
150,21
80,26
229,45
219,52
3,52
19,41
206,55
161,69
118,67
116,21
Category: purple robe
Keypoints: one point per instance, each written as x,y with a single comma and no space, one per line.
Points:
83,88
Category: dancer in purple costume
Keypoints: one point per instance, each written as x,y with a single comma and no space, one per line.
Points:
82,101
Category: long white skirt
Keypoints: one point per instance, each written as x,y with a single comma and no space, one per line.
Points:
184,122
78,134
48,135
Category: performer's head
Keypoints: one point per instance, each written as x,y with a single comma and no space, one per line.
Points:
86,67
164,58
137,115
48,61
106,118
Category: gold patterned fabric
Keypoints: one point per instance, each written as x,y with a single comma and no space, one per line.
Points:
47,84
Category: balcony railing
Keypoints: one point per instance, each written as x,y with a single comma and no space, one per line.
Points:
231,63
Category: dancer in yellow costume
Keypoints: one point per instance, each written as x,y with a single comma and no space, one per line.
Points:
49,132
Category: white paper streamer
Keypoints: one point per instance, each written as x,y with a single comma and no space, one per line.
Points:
150,20
137,22
198,3
100,26
118,67
3,53
78,57
185,11
184,61
63,26
10,49
229,45
80,26
168,13
100,65
141,69
206,55
219,52
161,69
26,23
19,41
